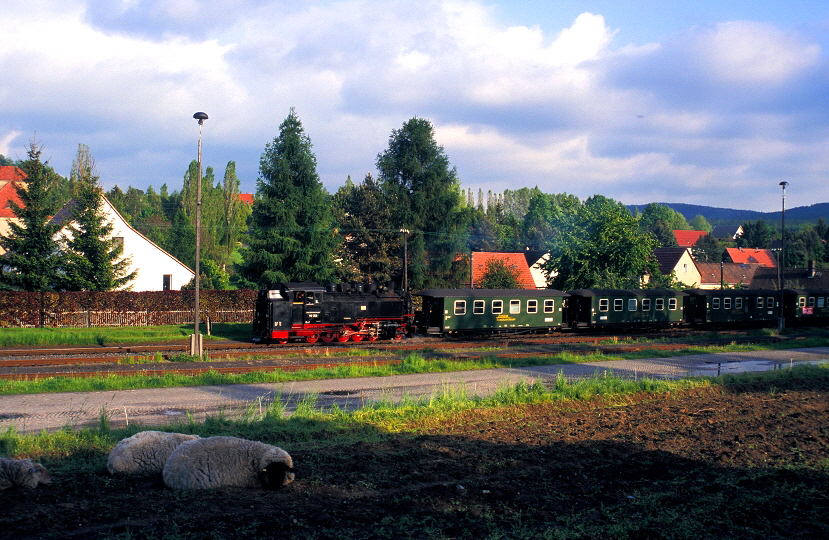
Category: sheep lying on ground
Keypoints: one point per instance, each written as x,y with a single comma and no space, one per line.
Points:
145,452
23,473
228,462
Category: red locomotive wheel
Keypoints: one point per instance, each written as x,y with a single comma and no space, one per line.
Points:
357,337
372,338
342,339
311,339
327,338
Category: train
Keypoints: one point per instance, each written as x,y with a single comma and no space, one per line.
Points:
353,312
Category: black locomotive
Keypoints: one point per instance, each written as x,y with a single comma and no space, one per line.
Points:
339,313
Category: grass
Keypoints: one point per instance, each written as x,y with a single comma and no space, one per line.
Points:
311,426
79,337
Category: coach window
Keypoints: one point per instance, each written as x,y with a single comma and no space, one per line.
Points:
760,302
550,305
801,301
497,307
532,306
715,303
460,307
770,302
672,304
604,304
646,304
726,303
820,303
478,307
618,304
811,301
515,306
632,304
738,303
660,304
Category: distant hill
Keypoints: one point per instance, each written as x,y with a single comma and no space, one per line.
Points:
730,216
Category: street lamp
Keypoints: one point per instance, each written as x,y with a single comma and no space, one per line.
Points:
196,339
782,263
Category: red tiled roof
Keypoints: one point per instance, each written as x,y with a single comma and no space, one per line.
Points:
516,261
246,197
732,273
8,193
10,173
763,257
688,238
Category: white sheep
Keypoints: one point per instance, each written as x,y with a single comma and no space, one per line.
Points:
23,473
145,452
228,462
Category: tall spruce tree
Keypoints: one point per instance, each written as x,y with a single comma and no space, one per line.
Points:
425,195
33,261
94,259
292,235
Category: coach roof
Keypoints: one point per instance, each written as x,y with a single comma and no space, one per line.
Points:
492,293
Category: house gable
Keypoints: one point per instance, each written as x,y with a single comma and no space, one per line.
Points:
156,270
679,261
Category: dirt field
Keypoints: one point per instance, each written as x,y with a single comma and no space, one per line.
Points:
748,462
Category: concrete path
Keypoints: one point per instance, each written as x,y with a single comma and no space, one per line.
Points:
156,407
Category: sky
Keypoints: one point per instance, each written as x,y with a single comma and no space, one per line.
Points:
683,101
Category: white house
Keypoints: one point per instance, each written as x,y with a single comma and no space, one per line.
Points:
156,270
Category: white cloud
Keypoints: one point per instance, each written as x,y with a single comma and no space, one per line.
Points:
730,104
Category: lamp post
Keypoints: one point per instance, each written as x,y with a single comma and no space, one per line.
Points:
406,269
196,339
782,263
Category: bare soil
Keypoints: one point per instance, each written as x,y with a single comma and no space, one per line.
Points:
740,462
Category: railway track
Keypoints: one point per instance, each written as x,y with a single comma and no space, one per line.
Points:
236,357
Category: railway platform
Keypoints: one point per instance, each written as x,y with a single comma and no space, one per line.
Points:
170,406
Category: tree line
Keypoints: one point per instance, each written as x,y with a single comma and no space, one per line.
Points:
296,231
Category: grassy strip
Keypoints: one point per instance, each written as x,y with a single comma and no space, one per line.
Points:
81,337
313,427
412,363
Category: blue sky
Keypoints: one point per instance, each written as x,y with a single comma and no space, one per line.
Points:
698,102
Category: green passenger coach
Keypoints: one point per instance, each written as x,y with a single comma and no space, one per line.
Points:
593,308
455,311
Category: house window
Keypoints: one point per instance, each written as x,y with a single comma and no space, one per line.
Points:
478,307
618,304
515,306
532,306
497,307
550,305
460,307
646,304
604,304
726,303
672,304
166,282
632,304
660,304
